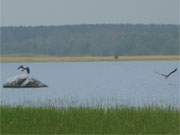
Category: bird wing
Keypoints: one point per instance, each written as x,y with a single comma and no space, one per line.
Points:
172,72
28,70
162,74
21,66
167,75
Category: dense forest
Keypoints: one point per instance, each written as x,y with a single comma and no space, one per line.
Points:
90,40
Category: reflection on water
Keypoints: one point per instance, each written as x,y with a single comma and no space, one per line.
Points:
96,84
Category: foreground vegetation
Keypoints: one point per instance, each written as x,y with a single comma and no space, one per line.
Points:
87,58
147,120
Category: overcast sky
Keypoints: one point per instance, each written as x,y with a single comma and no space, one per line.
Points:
62,12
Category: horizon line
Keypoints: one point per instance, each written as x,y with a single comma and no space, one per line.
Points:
44,25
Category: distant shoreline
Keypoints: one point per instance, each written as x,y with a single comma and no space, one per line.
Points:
12,59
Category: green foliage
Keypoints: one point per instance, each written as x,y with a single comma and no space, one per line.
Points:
147,120
91,40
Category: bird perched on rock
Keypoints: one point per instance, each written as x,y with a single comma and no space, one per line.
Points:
23,80
24,68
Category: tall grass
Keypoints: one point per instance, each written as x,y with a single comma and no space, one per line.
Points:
147,120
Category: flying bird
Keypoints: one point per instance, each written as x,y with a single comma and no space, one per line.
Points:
167,75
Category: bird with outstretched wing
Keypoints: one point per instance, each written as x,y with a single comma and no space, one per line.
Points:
167,75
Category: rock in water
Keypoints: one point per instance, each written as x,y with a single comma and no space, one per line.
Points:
24,83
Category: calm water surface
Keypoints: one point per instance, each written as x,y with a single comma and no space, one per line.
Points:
95,84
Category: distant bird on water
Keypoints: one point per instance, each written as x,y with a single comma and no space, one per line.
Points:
167,75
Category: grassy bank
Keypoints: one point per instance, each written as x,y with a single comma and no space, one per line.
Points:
85,59
148,120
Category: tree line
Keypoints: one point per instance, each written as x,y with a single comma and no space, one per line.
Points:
90,40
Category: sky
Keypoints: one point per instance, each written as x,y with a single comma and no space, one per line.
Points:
69,12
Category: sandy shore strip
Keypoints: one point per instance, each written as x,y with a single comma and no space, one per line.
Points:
11,59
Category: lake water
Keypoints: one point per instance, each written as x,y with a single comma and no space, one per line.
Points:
95,84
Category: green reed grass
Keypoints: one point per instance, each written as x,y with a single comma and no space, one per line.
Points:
80,120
